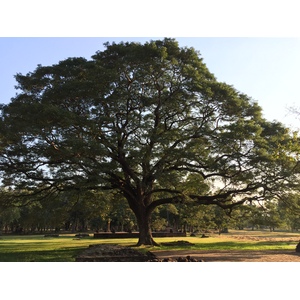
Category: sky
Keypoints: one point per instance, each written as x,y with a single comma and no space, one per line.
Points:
265,68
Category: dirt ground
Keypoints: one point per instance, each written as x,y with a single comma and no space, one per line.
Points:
104,252
243,255
234,255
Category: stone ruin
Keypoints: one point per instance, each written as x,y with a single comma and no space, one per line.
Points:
116,253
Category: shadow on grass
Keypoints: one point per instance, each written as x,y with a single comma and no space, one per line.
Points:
61,255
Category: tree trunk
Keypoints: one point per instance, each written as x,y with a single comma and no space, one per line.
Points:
140,207
108,225
145,233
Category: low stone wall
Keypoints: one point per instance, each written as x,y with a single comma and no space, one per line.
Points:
168,234
117,253
124,235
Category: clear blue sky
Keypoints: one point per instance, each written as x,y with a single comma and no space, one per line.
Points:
267,69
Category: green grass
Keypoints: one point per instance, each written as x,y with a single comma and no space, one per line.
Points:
46,249
226,243
66,247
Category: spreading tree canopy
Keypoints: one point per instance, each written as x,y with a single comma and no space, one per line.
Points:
148,120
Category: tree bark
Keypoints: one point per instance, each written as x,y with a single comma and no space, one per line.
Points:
145,234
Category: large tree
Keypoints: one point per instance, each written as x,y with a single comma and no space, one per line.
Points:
141,119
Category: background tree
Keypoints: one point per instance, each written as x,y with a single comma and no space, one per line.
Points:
289,211
120,214
9,218
272,216
240,216
140,119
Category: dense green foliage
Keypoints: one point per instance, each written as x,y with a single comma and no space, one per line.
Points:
148,121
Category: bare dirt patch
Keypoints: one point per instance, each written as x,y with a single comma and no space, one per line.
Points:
233,255
243,255
111,253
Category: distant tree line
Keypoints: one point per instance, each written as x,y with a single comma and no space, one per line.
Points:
75,212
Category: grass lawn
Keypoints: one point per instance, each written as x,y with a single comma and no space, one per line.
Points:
66,247
46,249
